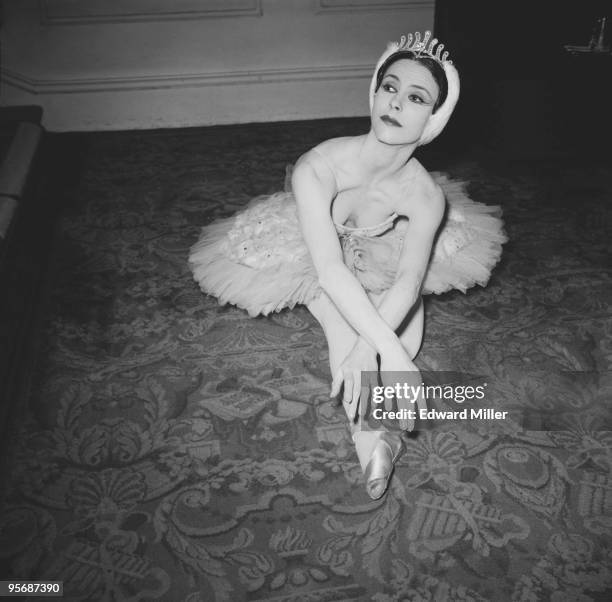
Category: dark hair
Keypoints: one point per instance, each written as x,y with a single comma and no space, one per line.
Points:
436,70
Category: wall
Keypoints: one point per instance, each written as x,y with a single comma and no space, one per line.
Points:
101,65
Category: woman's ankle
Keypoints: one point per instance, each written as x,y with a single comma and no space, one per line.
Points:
365,443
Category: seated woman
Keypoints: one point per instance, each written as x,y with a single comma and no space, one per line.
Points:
364,232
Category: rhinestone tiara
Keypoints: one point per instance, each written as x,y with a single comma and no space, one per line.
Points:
424,47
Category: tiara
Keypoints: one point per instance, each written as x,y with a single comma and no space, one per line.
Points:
425,46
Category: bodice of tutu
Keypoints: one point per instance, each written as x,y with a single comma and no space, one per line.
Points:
376,230
267,233
371,245
258,259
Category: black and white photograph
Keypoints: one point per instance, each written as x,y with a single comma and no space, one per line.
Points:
306,300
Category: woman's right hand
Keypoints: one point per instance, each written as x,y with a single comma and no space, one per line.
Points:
362,358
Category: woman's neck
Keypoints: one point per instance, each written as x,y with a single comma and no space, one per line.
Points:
384,159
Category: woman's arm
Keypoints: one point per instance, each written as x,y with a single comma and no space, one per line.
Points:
425,217
314,187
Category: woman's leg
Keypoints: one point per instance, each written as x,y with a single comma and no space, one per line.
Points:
341,337
377,450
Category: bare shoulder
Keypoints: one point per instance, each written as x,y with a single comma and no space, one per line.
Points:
328,160
425,198
313,172
422,178
342,152
338,148
311,169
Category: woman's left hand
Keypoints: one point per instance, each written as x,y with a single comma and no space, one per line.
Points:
362,358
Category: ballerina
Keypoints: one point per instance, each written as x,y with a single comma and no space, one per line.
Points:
361,232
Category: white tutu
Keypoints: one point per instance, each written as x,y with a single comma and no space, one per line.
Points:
257,259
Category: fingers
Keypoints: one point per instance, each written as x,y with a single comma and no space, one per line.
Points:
352,391
422,403
337,383
348,388
407,407
352,385
389,403
408,398
363,401
356,388
406,424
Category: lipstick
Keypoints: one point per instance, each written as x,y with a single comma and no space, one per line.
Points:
389,120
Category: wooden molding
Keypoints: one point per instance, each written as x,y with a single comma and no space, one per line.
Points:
336,6
78,12
182,80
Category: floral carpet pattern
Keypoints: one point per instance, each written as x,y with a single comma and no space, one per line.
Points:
176,450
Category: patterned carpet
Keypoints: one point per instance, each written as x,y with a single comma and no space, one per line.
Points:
175,450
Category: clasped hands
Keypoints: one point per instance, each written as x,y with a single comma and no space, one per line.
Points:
363,358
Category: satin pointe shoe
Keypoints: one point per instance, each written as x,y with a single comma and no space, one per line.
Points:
380,467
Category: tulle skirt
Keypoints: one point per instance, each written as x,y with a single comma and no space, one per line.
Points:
258,261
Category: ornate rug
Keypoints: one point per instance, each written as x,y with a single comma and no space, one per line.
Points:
172,449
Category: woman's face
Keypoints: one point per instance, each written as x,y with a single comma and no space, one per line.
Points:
403,103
